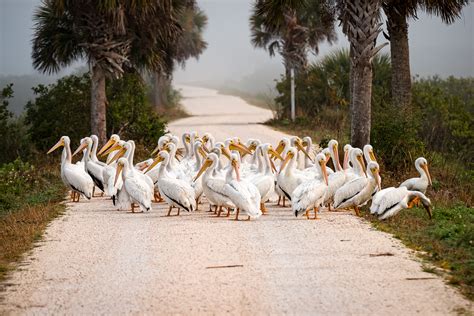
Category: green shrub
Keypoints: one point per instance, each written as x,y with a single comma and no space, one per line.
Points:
13,133
63,108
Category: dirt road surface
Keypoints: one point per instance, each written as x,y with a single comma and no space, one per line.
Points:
95,260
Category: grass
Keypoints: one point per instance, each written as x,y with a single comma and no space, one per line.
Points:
447,240
29,199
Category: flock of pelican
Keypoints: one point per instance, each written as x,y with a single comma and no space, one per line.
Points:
237,177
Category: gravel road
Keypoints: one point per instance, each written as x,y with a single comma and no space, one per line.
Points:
95,260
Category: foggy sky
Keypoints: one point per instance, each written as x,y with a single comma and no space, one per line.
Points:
434,47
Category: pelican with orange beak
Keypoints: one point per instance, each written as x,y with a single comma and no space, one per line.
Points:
138,192
419,184
74,176
310,194
359,191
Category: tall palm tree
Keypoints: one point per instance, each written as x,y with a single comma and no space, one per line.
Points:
360,20
398,12
110,35
190,44
292,28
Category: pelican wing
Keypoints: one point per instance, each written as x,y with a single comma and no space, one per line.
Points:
139,191
178,192
78,179
308,195
96,173
349,190
378,198
391,199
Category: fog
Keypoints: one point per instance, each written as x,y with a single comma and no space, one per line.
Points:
435,48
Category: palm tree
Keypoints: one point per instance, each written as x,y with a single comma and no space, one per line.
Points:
189,44
360,20
110,35
397,12
292,28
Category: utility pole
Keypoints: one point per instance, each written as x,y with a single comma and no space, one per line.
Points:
293,111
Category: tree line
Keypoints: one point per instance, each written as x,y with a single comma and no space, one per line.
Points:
292,28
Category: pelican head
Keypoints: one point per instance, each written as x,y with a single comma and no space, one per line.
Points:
321,161
373,170
86,142
63,141
369,153
114,138
289,155
421,164
347,149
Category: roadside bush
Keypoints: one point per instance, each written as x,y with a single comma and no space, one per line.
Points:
63,108
13,133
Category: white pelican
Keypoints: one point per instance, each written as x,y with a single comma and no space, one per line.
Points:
356,158
213,186
177,193
94,169
288,178
74,176
347,150
336,179
114,139
138,191
308,142
310,194
390,201
421,183
265,180
93,155
243,194
369,153
358,191
208,140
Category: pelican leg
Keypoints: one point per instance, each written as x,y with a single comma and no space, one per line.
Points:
169,211
248,218
102,194
279,199
262,208
210,208
93,191
413,202
307,214
133,207
219,212
284,199
215,209
356,209
237,214
329,208
178,211
228,212
197,204
315,213
71,195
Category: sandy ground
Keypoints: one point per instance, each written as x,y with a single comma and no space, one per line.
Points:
95,260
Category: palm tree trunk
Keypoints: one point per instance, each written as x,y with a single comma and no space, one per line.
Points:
160,84
397,27
361,104
363,29
98,104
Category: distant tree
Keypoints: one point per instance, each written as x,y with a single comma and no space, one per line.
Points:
190,44
111,35
398,12
292,28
